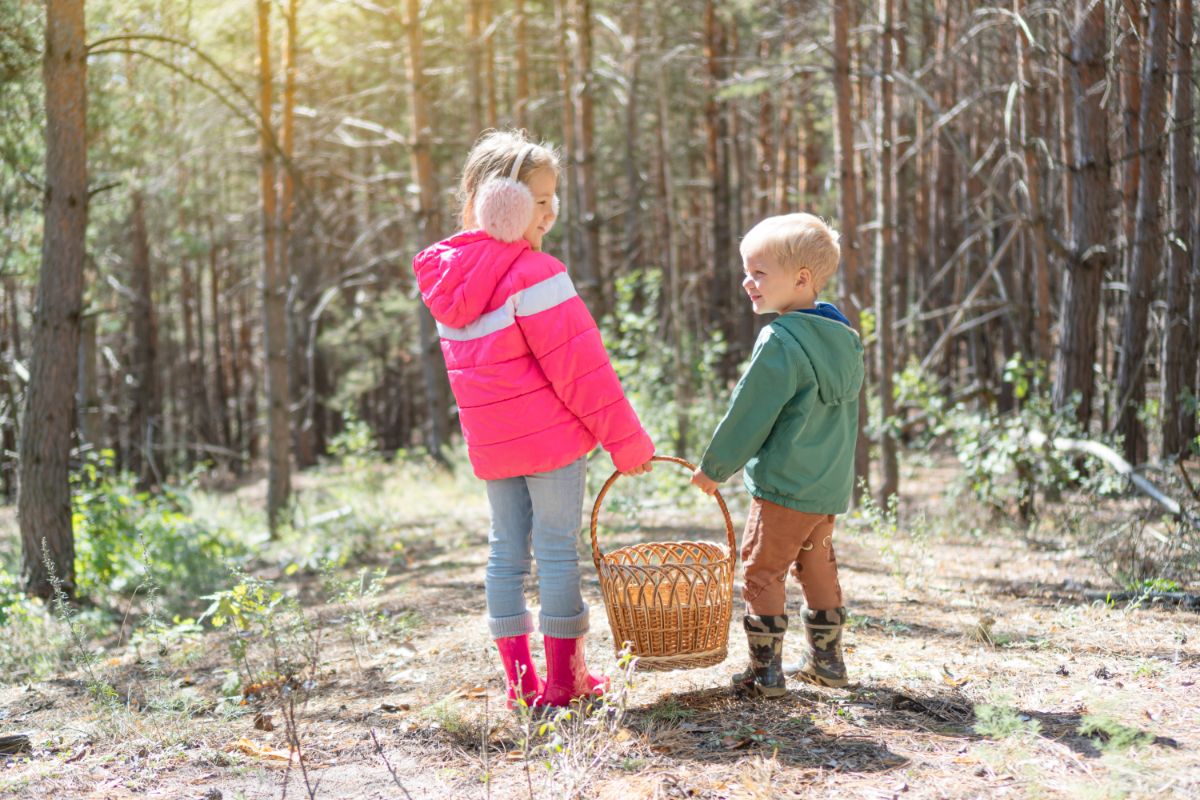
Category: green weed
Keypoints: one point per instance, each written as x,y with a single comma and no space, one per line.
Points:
1002,722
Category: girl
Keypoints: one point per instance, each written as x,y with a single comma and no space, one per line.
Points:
535,392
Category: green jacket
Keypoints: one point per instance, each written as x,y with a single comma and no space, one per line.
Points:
793,418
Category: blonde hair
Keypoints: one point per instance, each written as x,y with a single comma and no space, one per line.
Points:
795,242
493,156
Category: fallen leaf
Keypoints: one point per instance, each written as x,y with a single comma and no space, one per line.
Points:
394,707
250,748
263,722
949,679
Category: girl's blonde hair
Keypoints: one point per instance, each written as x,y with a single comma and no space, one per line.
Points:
493,156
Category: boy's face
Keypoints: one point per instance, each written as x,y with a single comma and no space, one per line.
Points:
773,289
541,185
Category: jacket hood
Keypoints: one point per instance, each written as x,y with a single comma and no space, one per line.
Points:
833,348
457,276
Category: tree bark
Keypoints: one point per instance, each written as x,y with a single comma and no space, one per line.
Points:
668,223
1179,353
44,496
146,414
521,57
489,61
274,297
432,365
633,182
1035,215
1147,238
585,281
8,394
717,165
885,254
474,69
592,264
852,278
1091,247
87,394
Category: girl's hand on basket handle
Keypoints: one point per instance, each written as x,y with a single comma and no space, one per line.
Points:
640,469
705,483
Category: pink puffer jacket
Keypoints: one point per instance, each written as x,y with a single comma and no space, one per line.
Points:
534,384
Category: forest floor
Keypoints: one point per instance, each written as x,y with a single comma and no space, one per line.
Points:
982,666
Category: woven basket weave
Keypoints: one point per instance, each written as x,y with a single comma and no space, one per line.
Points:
671,602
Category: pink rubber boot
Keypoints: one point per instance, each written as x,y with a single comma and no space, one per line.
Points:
567,676
523,680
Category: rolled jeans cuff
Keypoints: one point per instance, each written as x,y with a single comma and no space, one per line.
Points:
564,627
504,627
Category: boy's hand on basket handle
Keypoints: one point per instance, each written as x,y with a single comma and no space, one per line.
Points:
705,483
640,469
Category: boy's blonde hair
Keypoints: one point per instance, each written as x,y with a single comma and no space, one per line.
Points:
795,242
493,156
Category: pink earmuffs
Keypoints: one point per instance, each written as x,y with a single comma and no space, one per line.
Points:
504,206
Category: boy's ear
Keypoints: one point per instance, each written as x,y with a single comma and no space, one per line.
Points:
804,277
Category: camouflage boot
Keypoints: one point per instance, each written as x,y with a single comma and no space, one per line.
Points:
821,663
764,676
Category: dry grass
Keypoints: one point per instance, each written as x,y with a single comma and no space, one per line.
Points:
977,661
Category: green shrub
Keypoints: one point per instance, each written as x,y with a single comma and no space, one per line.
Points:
1002,463
126,539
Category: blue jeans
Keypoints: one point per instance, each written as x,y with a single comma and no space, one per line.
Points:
536,516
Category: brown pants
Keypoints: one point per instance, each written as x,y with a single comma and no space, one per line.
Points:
777,539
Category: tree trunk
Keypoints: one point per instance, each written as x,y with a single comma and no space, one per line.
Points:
1147,238
717,165
585,281
474,69
301,423
633,181
87,394
1091,247
8,394
274,298
668,223
852,278
521,57
885,254
1179,342
1035,217
44,496
489,60
763,148
146,417
433,368
220,368
1130,30
585,162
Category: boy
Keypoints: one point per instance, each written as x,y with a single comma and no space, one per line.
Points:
792,423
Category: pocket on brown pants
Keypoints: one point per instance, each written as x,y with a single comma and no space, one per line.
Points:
771,544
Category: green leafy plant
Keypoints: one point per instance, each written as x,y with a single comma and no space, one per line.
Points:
357,593
1112,734
1001,721
1003,465
126,539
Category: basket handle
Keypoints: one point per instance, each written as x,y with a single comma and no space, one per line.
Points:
673,460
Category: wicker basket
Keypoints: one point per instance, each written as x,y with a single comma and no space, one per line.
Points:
671,602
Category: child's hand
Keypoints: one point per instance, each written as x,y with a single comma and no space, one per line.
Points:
641,469
705,483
